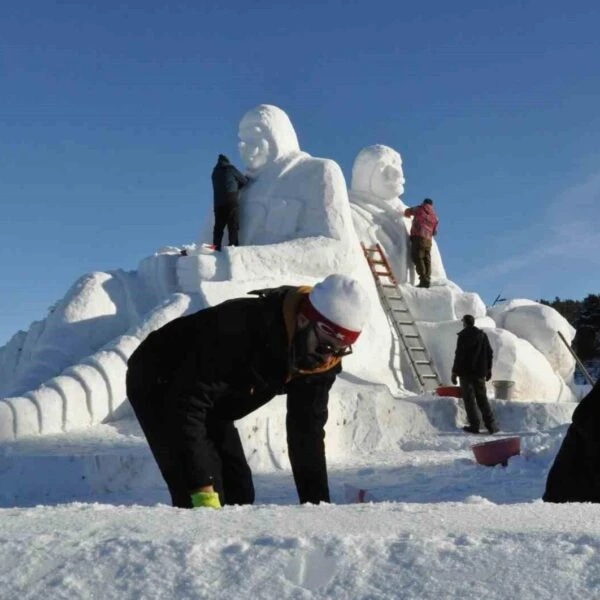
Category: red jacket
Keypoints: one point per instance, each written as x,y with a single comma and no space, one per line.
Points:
425,221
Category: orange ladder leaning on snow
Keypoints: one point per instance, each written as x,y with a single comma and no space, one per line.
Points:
401,319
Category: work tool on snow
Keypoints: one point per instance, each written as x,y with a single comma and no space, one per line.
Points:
401,319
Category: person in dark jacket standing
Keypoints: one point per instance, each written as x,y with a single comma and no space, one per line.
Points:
424,227
473,366
191,379
575,473
227,182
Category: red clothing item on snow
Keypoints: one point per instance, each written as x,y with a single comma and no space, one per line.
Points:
425,221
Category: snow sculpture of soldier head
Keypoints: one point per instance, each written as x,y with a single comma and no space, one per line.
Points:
293,195
377,173
377,210
266,135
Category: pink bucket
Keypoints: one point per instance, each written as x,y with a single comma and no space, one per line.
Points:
497,452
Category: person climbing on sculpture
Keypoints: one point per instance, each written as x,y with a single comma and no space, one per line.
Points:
473,366
191,379
424,227
227,182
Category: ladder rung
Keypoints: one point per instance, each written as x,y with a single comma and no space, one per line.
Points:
411,335
422,362
382,273
417,349
405,322
429,376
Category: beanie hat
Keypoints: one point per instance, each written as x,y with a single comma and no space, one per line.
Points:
340,304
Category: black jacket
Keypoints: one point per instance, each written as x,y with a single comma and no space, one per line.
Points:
474,355
225,362
227,181
575,473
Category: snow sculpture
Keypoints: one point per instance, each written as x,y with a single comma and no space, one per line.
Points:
296,227
377,210
295,208
68,371
539,324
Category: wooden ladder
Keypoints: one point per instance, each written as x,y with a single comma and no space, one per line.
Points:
401,319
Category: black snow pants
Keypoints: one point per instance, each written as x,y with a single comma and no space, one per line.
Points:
475,396
148,396
226,214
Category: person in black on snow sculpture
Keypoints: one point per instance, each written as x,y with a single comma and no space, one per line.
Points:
227,182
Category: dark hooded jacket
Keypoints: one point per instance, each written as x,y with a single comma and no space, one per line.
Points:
226,361
474,355
575,473
227,182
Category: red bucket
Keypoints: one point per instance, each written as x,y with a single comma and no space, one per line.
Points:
449,390
497,452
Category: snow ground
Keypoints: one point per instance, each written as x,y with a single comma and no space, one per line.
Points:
85,516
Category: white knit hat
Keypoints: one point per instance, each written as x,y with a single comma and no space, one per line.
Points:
341,303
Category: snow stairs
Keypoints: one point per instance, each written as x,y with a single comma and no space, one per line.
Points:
401,319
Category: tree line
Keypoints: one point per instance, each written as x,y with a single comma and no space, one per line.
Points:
584,315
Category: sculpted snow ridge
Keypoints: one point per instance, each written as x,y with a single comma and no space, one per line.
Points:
299,224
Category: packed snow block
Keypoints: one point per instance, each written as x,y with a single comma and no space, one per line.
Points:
499,311
538,324
77,413
433,304
193,270
442,303
7,420
10,355
118,472
51,407
263,435
26,415
532,416
176,305
110,371
158,272
440,341
517,360
468,303
95,385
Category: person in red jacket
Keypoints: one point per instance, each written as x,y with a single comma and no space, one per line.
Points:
424,227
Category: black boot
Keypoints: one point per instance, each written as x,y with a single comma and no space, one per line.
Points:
470,429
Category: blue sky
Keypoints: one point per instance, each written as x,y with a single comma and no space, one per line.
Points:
112,115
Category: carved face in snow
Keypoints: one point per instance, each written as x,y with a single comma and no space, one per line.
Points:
254,148
266,134
378,172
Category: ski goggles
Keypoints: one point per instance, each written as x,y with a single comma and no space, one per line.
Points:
325,346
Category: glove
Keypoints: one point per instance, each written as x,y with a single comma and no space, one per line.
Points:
454,379
488,376
206,499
